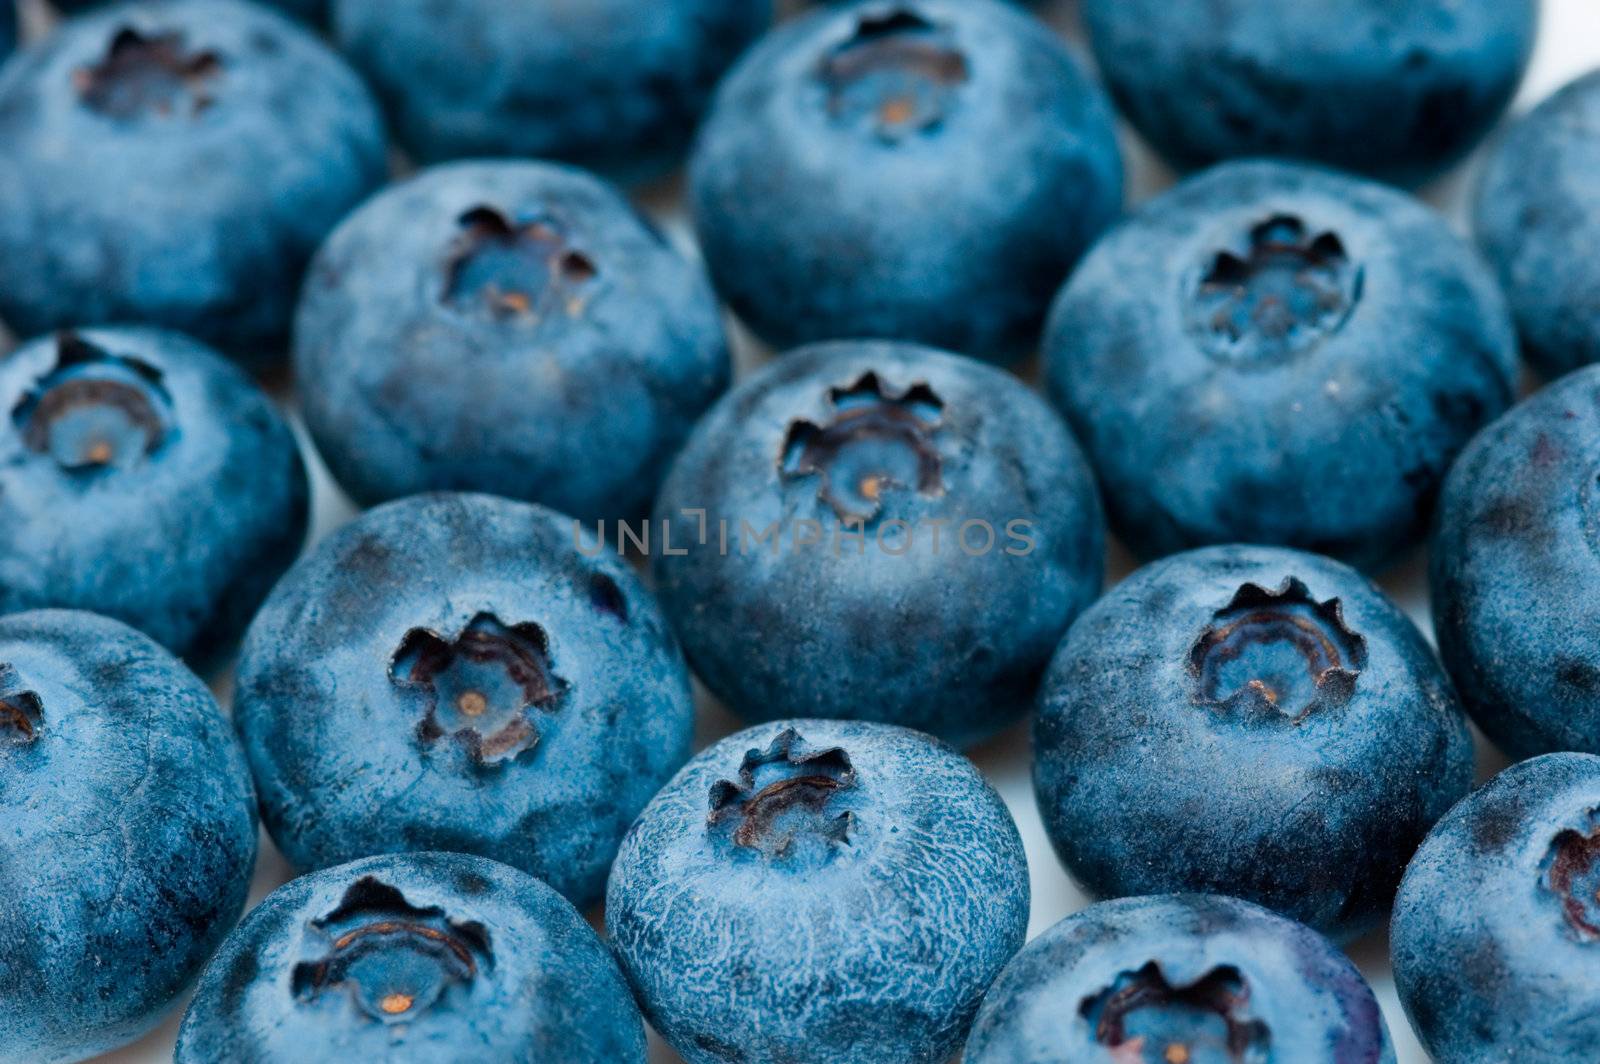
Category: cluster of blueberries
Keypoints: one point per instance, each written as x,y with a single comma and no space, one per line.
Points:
464,715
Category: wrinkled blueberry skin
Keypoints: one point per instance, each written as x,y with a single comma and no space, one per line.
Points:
1539,201
541,985
1396,89
241,173
615,86
130,833
417,379
863,927
1488,960
356,754
310,10
184,542
1154,777
929,635
954,228
1515,567
1214,419
1301,996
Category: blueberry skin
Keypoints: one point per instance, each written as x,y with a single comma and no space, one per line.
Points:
245,138
1495,925
185,528
610,85
824,216
130,833
943,634
1515,566
314,11
357,680
1281,355
435,356
818,890
1194,970
1396,89
1248,721
1538,201
487,963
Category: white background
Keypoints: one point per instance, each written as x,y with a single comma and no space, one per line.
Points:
1569,46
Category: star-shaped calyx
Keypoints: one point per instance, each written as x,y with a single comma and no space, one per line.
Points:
784,797
877,440
21,712
95,410
898,75
149,74
516,268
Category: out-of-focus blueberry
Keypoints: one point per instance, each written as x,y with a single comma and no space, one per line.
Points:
1537,216
612,85
821,891
878,531
924,170
129,839
176,164
143,477
428,958
1248,721
1516,571
1179,979
515,328
1497,922
1398,89
1278,354
459,672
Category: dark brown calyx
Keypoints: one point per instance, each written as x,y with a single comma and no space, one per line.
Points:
95,410
21,712
1142,1017
488,688
1574,877
1277,652
516,269
395,959
878,440
898,75
1280,291
149,75
786,798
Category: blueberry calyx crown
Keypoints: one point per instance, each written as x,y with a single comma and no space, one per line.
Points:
1143,1014
21,712
95,410
1282,292
514,268
1573,875
396,959
878,439
785,796
1278,653
898,75
152,74
486,688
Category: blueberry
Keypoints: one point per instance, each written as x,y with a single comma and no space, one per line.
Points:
818,890
1179,979
430,957
130,833
1275,354
878,531
310,10
1538,205
9,27
924,170
459,672
515,328
612,85
1398,89
144,478
1248,721
1497,921
176,164
1516,568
